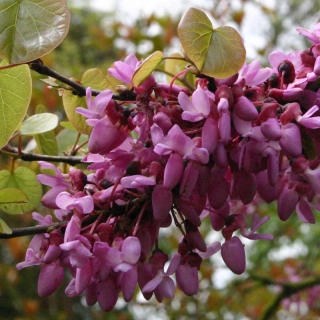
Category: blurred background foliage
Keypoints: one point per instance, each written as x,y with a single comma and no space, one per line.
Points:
96,39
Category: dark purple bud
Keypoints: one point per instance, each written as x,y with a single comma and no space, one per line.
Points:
78,179
287,71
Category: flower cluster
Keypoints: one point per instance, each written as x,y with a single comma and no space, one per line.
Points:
172,158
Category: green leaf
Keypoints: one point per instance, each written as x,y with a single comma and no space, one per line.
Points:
47,142
146,68
39,123
4,228
66,139
67,125
29,29
15,95
93,78
13,195
25,180
214,52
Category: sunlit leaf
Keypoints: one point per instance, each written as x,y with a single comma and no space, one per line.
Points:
13,195
25,180
93,78
47,142
39,123
29,29
13,103
215,52
4,228
146,68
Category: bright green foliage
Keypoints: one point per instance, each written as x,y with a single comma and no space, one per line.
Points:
93,78
214,52
4,228
39,123
13,103
25,180
47,142
13,195
146,68
30,29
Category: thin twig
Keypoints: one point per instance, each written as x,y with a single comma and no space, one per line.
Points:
14,152
20,232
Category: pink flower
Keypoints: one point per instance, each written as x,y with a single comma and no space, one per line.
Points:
96,107
162,284
124,71
252,73
198,108
177,141
313,36
233,255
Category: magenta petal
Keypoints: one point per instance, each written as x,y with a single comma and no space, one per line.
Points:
291,132
187,279
173,171
174,263
218,193
128,283
287,202
112,137
245,109
166,287
107,294
304,212
246,186
152,284
271,129
224,125
130,251
233,255
83,277
161,202
50,278
210,135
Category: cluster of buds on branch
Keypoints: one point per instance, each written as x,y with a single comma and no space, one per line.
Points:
172,159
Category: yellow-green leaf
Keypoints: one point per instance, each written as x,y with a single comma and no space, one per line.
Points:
4,228
146,68
13,195
214,52
46,142
29,29
39,123
15,95
25,180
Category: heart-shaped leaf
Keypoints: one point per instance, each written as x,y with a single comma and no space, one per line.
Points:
13,195
4,228
29,29
25,180
146,68
13,103
39,123
214,52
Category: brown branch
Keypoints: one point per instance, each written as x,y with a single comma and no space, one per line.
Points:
20,232
78,89
25,156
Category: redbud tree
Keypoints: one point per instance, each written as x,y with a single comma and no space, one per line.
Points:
218,136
